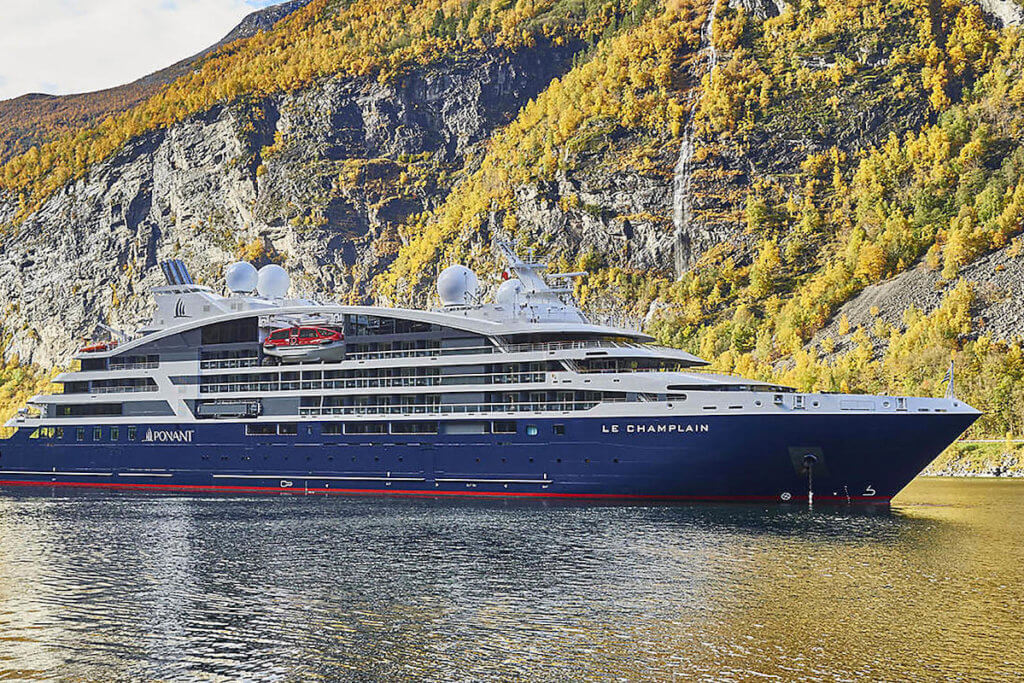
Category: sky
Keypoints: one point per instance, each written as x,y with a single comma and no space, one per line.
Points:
71,46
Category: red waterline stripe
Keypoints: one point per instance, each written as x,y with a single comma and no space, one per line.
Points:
436,493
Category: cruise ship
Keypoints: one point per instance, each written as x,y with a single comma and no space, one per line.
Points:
519,396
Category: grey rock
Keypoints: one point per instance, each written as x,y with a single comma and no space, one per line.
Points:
196,190
1005,12
762,9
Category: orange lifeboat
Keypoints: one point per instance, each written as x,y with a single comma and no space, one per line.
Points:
98,347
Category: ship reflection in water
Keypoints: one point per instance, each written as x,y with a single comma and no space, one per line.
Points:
98,585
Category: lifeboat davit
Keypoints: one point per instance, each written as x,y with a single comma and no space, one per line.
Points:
305,344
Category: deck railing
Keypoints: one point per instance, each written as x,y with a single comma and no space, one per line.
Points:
566,345
450,409
134,366
374,382
218,363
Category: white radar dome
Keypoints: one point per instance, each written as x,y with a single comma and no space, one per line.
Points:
241,277
456,285
508,293
273,282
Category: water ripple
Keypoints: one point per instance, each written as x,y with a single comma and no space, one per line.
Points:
117,586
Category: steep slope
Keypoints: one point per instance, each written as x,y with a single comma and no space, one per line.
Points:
37,118
317,152
738,177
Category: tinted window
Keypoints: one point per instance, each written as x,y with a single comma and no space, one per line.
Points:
230,332
365,428
414,428
307,333
280,334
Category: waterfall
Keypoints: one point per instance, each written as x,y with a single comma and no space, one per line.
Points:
682,199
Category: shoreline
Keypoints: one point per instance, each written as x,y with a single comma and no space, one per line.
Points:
981,459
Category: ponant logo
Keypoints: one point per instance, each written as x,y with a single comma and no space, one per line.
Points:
179,309
169,435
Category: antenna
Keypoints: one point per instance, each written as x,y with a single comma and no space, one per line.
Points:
950,381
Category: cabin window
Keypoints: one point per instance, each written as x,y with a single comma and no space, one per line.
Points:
132,431
93,364
503,427
80,434
531,430
85,409
114,433
414,428
332,428
260,429
365,428
97,433
279,335
230,332
558,429
307,333
288,429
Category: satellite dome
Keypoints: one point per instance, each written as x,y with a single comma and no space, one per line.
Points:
241,277
273,282
456,285
508,293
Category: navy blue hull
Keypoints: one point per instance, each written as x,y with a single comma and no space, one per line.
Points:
857,457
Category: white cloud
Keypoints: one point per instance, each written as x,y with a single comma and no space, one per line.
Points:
71,46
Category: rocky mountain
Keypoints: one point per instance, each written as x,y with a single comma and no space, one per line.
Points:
826,193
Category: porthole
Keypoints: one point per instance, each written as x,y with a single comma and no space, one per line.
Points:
815,404
558,460
757,403
615,460
586,460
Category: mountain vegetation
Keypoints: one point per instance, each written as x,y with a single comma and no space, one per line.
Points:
836,146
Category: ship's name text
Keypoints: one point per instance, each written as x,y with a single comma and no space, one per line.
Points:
640,428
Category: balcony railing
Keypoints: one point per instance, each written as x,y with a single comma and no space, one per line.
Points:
215,363
417,353
374,382
566,345
450,409
113,390
134,366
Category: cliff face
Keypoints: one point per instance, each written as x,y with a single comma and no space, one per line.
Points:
204,189
751,179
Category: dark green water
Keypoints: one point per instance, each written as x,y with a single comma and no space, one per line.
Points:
108,586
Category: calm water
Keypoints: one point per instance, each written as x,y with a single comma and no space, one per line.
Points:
103,586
